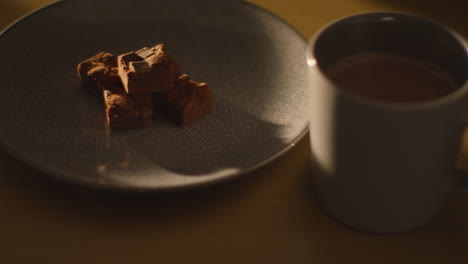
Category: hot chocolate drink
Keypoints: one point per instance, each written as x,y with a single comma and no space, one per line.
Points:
391,78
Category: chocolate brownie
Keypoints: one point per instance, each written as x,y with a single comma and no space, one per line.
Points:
187,102
98,72
147,70
125,111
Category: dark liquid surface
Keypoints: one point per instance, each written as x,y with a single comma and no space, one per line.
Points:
391,78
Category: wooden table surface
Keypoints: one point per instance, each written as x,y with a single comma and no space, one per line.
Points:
268,216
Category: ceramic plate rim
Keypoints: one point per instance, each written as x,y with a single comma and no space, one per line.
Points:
125,188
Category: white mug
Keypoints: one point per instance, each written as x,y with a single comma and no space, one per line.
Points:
385,167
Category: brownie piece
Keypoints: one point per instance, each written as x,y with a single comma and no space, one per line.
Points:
187,102
147,70
125,111
98,72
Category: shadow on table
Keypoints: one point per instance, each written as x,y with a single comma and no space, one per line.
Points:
74,203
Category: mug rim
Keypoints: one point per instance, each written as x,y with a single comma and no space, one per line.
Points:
461,92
